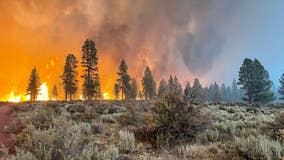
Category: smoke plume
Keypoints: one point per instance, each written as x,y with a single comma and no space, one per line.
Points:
169,35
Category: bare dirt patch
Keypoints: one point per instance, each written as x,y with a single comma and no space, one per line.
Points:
5,120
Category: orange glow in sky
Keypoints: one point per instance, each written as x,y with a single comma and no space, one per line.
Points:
35,36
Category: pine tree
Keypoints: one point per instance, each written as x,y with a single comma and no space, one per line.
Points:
163,89
223,93
148,84
34,84
171,84
134,89
187,92
229,94
123,80
69,76
216,93
254,80
116,91
281,89
197,92
91,85
54,92
206,95
235,91
175,88
210,92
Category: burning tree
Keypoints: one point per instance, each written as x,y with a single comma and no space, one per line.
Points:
91,85
34,85
69,76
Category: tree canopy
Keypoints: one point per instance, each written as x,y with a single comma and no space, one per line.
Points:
255,82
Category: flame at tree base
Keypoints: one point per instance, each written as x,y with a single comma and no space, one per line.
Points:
106,96
13,98
42,95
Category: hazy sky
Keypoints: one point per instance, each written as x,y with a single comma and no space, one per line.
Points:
256,31
190,38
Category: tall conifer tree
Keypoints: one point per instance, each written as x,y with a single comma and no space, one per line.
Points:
148,84
281,89
163,89
91,84
69,76
254,80
34,84
123,80
197,91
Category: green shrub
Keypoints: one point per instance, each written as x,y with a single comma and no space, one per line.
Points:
213,135
257,148
41,117
72,108
90,152
110,154
22,155
126,141
131,117
64,138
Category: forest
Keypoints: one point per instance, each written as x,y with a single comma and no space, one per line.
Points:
159,121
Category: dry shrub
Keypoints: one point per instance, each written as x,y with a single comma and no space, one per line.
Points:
278,121
97,127
41,117
77,107
257,148
14,127
131,118
276,127
110,154
176,123
198,152
126,141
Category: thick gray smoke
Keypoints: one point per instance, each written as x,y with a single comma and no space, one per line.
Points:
169,35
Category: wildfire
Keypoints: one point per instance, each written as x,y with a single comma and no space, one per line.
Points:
81,97
106,95
13,98
43,93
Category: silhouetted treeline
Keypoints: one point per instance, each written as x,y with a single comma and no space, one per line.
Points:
196,93
253,85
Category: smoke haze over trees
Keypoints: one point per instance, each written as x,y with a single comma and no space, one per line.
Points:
179,37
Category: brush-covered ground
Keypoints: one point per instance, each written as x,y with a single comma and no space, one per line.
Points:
145,130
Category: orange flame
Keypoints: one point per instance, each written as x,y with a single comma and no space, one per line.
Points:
13,98
42,95
106,95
